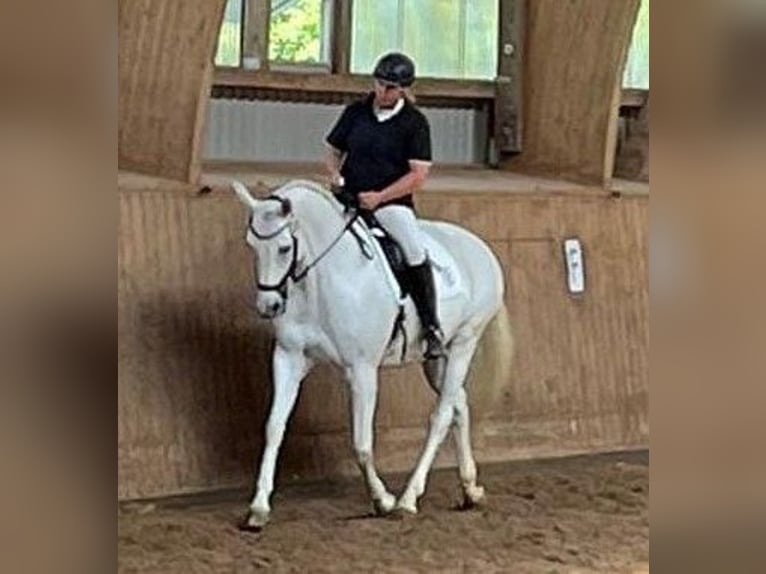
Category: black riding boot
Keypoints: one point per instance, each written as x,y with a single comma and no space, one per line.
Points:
423,292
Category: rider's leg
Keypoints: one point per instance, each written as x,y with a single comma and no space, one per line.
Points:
400,222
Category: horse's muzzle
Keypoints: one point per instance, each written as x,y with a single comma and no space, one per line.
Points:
270,306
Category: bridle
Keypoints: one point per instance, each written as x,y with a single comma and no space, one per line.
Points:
291,272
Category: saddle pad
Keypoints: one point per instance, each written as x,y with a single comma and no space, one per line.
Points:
449,284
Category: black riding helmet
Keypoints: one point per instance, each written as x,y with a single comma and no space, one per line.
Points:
395,68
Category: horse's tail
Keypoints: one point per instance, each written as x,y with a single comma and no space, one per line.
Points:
491,365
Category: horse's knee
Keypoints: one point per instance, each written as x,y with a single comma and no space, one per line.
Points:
461,413
363,457
459,418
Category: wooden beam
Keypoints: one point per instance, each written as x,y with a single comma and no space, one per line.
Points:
321,82
508,97
574,58
633,98
350,83
166,53
255,35
341,36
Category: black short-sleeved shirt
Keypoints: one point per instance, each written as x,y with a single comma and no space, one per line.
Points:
378,153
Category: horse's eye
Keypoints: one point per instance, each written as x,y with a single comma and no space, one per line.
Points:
284,250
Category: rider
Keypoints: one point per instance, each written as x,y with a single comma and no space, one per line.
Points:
380,153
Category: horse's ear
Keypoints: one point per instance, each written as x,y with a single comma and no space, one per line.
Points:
243,194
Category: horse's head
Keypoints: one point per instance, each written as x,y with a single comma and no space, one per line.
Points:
271,235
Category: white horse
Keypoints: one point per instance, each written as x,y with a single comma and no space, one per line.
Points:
332,297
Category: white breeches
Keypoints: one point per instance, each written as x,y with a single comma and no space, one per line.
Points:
400,222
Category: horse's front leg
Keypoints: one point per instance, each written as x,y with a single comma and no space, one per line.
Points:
363,382
289,369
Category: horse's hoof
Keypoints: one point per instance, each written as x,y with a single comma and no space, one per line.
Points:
254,522
406,507
473,496
384,505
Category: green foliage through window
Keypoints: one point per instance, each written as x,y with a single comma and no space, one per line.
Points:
446,38
295,34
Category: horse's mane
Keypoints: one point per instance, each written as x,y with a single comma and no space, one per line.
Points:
313,186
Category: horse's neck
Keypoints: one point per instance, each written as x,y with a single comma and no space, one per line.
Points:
321,224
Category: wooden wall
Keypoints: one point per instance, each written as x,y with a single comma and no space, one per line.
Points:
574,57
194,376
166,50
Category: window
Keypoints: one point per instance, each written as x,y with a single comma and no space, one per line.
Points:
637,67
446,38
230,36
298,31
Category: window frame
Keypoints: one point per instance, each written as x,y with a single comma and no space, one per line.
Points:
323,80
335,75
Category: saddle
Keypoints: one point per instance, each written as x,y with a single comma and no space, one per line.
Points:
391,249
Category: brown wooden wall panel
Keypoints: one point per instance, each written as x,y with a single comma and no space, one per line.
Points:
573,61
580,378
194,377
166,50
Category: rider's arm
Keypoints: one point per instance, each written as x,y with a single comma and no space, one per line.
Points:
333,162
408,183
337,143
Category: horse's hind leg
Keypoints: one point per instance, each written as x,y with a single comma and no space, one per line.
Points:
472,492
363,383
450,402
461,432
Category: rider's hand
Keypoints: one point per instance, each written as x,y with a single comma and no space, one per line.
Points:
335,179
369,200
